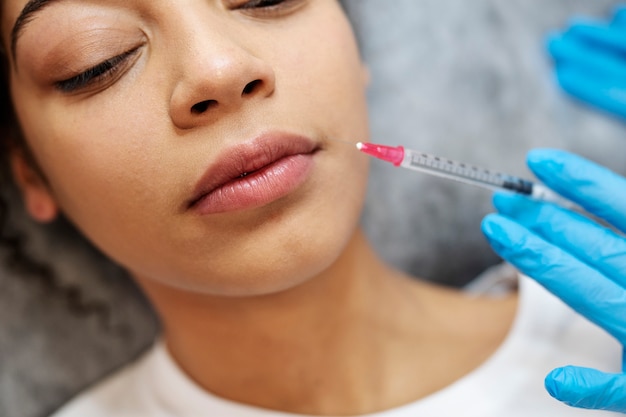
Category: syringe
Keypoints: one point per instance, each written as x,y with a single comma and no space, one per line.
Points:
460,171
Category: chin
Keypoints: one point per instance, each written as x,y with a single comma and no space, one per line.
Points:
264,273
271,264
292,243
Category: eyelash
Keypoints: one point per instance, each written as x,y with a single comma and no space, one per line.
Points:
254,4
267,6
96,74
107,69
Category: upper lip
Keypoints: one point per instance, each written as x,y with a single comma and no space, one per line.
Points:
248,157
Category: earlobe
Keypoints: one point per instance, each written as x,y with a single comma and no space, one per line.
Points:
38,199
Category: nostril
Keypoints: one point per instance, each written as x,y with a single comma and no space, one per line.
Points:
203,106
251,86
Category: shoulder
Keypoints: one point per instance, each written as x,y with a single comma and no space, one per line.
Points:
117,395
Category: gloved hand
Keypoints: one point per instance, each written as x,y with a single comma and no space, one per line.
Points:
574,257
590,62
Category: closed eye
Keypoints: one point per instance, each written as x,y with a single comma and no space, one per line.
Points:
269,6
97,75
261,3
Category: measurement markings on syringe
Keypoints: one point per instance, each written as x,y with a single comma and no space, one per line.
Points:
458,169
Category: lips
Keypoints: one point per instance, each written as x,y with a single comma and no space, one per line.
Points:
254,174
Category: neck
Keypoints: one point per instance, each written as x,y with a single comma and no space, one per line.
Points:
327,346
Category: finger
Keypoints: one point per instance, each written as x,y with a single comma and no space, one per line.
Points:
575,54
572,52
605,94
619,17
582,287
598,35
595,245
590,66
595,188
588,388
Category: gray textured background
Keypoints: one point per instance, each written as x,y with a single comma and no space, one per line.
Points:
468,80
464,79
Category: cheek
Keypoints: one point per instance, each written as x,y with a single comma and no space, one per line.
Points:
102,171
97,148
334,81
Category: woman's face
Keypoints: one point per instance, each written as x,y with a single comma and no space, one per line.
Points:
193,140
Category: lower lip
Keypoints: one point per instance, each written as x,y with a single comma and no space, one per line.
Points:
260,187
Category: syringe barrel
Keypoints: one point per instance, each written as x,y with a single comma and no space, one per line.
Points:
466,173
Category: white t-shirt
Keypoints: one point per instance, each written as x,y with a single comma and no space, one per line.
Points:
545,334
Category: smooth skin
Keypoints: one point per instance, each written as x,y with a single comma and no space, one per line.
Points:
283,306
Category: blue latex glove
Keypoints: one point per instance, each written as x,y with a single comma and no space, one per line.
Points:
590,62
574,257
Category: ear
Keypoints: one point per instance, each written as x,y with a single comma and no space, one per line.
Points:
38,199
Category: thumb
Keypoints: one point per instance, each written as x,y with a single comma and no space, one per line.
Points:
588,388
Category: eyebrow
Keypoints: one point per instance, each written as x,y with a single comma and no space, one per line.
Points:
27,15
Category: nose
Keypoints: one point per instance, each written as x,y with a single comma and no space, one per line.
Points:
217,76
